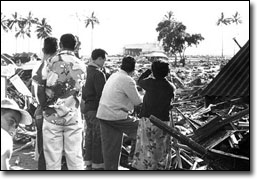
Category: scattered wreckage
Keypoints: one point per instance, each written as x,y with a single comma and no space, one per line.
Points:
210,123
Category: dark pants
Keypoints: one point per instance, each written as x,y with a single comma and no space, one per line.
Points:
39,122
93,147
112,136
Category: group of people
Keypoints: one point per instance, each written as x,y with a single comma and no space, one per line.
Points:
69,93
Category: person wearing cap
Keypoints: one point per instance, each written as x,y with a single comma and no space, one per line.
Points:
60,88
11,117
118,99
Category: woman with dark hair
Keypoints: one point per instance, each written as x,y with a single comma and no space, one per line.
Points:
152,144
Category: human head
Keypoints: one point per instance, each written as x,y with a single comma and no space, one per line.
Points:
160,68
67,42
128,64
99,56
12,115
50,45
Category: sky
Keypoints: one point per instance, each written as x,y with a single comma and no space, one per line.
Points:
123,23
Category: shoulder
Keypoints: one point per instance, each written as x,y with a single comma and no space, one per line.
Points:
98,74
128,81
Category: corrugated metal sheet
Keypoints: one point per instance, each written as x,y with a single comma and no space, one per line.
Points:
234,78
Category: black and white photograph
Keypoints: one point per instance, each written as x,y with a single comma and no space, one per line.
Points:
127,86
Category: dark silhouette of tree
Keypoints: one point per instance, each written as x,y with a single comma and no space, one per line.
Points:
43,29
175,39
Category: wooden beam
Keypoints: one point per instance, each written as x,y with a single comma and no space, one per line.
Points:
226,154
182,138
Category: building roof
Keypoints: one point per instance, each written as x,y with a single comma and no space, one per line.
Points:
234,78
144,47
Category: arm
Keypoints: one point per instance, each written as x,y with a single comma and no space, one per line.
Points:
42,95
132,92
99,84
40,81
142,82
144,75
5,160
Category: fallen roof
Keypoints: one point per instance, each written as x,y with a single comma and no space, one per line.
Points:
234,79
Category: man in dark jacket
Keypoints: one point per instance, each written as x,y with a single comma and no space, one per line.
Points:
91,94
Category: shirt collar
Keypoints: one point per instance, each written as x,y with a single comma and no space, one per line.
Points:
69,52
123,72
93,64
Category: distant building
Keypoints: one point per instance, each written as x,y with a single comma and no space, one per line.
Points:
138,49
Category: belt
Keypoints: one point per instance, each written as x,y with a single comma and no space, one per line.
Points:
60,122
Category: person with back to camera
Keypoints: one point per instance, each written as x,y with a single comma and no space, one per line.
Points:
152,145
60,94
118,99
11,117
91,94
49,49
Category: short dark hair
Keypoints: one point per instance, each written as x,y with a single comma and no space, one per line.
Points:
98,53
68,41
128,64
50,45
160,68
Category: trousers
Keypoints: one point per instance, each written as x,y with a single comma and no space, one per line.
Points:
63,138
39,123
112,136
93,147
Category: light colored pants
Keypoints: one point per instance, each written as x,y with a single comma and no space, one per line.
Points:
59,138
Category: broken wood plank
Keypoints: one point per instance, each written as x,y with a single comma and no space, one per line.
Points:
192,123
215,124
174,133
193,167
226,154
217,138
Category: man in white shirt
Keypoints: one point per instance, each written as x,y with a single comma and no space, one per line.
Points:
11,116
118,99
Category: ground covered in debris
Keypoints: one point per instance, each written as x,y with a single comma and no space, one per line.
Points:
214,137
23,159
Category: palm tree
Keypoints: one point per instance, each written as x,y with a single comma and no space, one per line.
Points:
236,18
14,23
43,29
227,21
91,20
220,22
29,20
22,30
4,23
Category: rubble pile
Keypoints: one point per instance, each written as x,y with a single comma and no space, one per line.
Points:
215,137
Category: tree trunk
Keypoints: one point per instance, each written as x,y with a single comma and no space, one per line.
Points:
92,40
